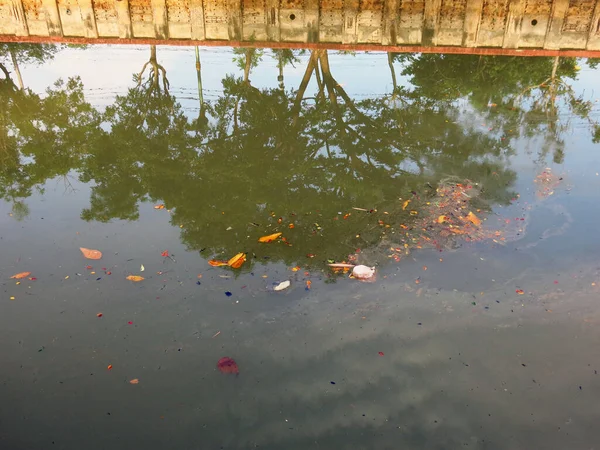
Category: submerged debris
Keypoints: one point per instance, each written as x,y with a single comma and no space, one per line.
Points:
228,365
546,183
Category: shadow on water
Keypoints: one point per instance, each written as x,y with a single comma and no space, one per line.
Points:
338,175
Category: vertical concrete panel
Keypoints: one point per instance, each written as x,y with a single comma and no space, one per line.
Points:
179,19
370,21
89,18
390,22
159,19
312,19
350,17
107,22
331,22
292,21
254,20
197,19
14,15
52,17
124,19
514,24
451,22
431,16
492,28
142,18
535,23
410,22
234,22
472,21
215,19
77,18
593,40
6,18
558,14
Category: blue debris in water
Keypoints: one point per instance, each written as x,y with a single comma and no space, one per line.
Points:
228,294
198,283
332,382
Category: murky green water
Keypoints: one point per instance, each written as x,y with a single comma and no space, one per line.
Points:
479,335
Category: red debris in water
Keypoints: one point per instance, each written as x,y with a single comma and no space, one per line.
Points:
165,253
227,365
130,322
381,353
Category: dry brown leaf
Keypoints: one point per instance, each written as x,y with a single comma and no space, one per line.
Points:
134,278
218,263
237,261
269,238
90,253
18,276
134,381
473,219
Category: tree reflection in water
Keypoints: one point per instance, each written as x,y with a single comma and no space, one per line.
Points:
263,160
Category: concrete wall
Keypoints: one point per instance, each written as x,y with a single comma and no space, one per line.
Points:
468,24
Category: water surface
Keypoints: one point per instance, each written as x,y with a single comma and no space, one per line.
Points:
486,339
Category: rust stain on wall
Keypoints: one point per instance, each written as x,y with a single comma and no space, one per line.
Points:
493,16
579,16
105,10
411,13
178,11
141,11
452,13
541,7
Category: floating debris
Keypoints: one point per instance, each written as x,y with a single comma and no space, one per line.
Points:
363,273
283,285
18,276
91,253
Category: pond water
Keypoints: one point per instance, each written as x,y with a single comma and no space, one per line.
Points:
470,183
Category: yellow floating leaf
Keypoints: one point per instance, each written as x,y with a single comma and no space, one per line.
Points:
218,263
405,204
237,261
135,278
269,238
442,219
134,381
159,207
18,276
473,219
90,253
